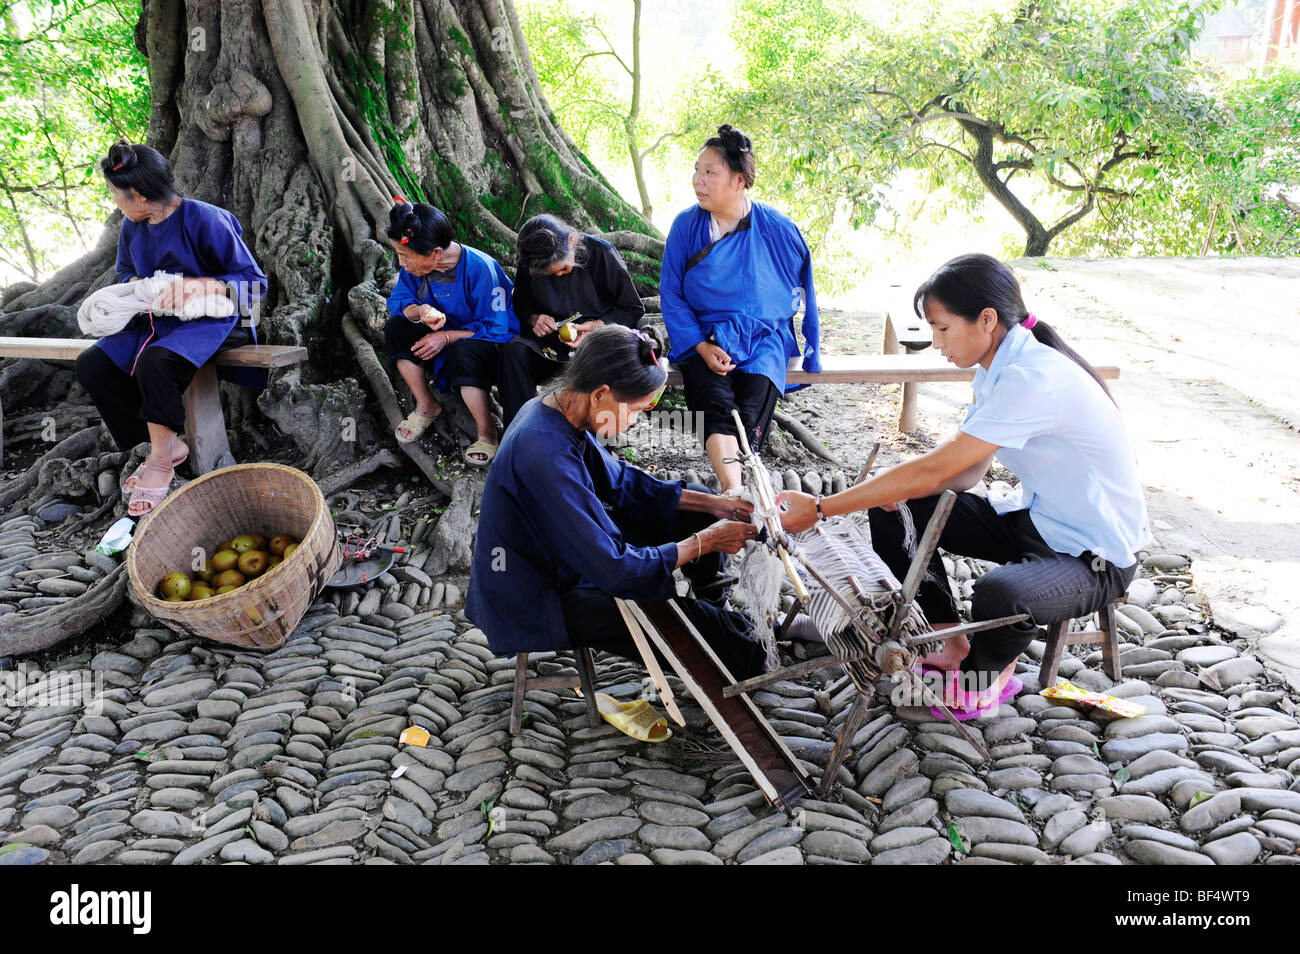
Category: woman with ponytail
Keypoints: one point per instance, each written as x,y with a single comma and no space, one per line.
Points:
565,527
451,307
735,273
138,375
1068,536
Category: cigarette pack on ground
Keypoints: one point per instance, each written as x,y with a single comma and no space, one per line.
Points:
1068,692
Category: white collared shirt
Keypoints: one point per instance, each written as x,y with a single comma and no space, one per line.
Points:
1065,439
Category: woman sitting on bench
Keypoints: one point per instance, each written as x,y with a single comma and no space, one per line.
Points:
137,377
564,527
1067,537
560,273
451,307
735,272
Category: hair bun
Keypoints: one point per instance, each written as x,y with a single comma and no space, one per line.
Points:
122,156
733,140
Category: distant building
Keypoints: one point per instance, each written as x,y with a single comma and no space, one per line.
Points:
1237,41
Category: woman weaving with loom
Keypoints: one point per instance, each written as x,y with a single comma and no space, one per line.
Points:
1067,537
735,272
564,527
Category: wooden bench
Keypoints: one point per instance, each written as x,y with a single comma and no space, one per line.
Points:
899,363
205,425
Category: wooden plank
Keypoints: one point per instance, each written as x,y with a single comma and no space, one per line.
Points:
776,771
651,662
261,356
68,349
205,425
49,349
884,369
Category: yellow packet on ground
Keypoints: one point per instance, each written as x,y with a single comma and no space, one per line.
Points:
1069,692
414,735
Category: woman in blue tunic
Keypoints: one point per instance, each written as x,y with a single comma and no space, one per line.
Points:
138,376
1068,536
735,272
564,527
450,306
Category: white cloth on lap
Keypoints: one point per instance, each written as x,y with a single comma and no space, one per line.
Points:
108,310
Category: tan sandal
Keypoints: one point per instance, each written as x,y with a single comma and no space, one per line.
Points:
482,448
414,424
150,497
128,485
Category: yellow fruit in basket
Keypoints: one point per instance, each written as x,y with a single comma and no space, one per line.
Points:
289,550
174,599
252,563
243,543
224,545
259,541
229,578
208,572
200,591
273,561
278,544
174,586
226,589
224,560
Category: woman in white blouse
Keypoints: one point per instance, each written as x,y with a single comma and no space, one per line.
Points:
1068,536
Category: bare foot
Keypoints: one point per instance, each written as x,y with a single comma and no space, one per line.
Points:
954,651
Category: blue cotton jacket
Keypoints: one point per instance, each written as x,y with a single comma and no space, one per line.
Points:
546,525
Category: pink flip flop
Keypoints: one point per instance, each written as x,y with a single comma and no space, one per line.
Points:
981,707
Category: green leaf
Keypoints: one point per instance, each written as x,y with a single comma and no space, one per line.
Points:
1123,775
955,838
1198,798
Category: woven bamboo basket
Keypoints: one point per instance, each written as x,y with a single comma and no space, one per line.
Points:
247,498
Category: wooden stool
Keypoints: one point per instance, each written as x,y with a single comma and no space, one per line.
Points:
585,681
1058,637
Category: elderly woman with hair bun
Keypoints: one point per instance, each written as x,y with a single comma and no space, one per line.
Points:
450,307
137,376
564,527
567,284
735,273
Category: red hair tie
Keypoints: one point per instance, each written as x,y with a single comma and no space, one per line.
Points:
398,198
116,167
405,240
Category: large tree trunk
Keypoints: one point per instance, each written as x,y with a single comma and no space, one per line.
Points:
305,118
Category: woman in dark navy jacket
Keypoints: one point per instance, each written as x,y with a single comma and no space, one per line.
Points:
565,528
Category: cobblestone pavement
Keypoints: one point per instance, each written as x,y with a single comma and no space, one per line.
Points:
186,752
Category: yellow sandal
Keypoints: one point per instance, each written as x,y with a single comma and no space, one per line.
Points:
637,719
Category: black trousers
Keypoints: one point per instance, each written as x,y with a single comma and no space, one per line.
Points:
1034,579
128,404
717,395
593,619
467,362
520,371
155,394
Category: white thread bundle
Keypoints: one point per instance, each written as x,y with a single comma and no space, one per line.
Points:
108,310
